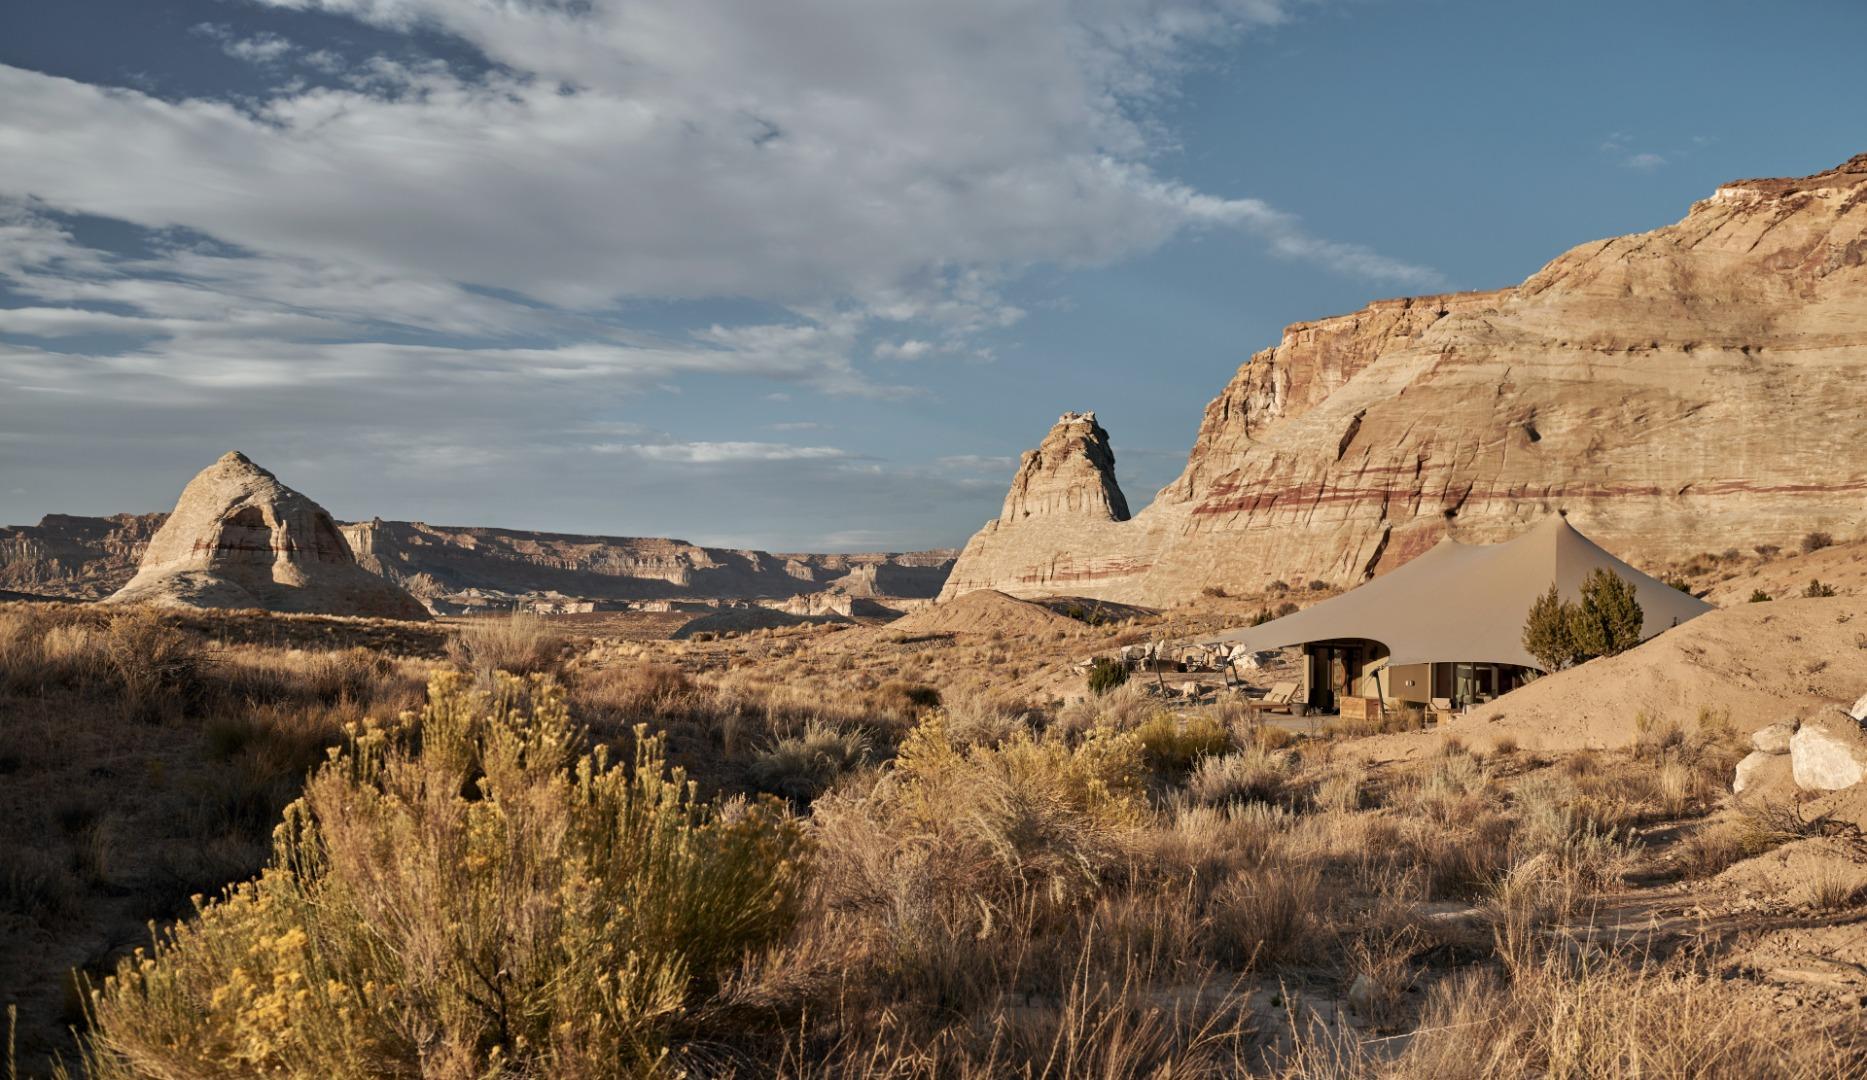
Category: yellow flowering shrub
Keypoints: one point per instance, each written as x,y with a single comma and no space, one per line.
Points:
462,894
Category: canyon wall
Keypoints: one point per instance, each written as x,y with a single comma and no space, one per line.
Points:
1699,387
88,558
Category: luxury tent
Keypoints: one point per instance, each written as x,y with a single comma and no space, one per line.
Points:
1447,627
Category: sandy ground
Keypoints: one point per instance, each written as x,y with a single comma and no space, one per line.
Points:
1843,566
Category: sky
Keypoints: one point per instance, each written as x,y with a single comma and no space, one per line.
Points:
792,274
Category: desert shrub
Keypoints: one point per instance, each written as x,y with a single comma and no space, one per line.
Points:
1340,792
1251,775
904,699
1816,541
1171,745
463,896
1105,674
1287,607
1318,586
1679,583
801,767
519,644
1817,589
158,667
1263,616
960,836
1216,592
1618,1016
1278,586
1758,596
1266,914
1767,551
643,688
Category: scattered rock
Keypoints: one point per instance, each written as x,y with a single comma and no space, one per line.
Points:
1859,711
1762,772
1775,738
1829,754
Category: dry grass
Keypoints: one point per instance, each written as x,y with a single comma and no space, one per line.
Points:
996,885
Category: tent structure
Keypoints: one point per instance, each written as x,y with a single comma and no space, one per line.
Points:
1459,607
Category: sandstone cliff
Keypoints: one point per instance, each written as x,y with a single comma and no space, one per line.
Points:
82,558
436,561
1698,387
238,538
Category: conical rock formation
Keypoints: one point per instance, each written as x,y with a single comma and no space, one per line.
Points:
1065,503
240,539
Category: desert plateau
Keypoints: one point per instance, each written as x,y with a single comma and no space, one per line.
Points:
1481,693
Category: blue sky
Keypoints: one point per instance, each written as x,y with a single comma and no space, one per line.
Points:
801,275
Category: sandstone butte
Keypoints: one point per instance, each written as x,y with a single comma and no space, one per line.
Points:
1699,387
240,539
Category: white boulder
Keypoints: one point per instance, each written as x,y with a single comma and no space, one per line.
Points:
1763,772
1775,738
1829,754
1859,711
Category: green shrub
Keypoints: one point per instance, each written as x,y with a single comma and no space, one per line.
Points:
464,896
1758,596
1818,589
1608,616
1548,632
1105,674
1605,620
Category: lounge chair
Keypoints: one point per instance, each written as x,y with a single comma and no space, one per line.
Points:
1442,710
1281,698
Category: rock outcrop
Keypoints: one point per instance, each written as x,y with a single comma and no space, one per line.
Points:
466,568
441,561
1693,388
77,558
238,538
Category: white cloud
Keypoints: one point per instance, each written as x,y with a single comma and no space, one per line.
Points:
794,153
911,349
1646,161
262,48
452,256
717,453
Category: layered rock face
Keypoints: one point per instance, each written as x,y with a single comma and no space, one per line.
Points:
240,539
84,558
436,562
1698,387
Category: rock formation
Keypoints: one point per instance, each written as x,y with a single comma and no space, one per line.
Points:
466,568
1693,388
240,539
441,561
79,558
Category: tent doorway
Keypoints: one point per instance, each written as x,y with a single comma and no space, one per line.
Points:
1334,668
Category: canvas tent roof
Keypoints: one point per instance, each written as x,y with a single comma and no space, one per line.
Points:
1467,602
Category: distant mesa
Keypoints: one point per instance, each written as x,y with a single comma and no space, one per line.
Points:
238,538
